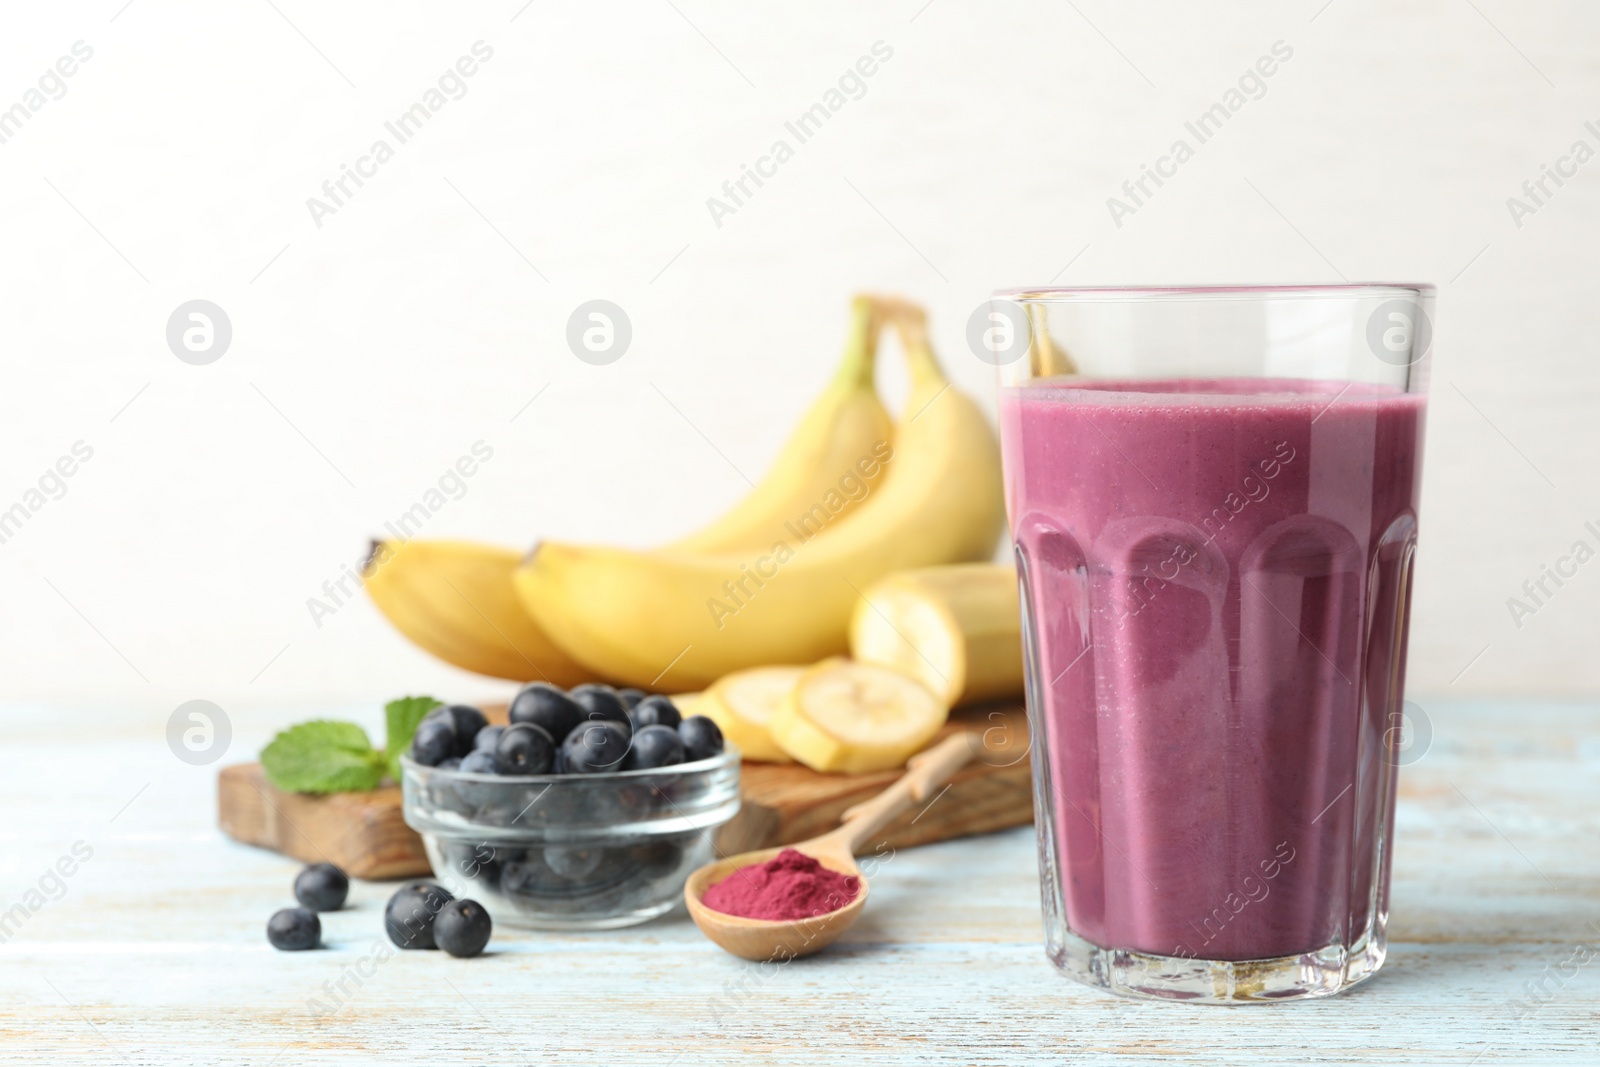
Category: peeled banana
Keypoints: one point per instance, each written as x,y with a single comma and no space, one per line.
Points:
455,599
856,717
831,451
742,705
673,619
954,628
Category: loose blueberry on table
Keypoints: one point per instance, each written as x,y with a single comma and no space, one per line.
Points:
322,887
462,928
410,914
294,929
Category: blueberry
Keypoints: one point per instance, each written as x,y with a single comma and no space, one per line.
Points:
701,738
624,724
487,738
523,878
451,764
434,742
525,749
600,702
596,747
656,859
542,704
468,721
409,916
462,928
654,746
656,711
322,887
294,929
480,762
573,863
630,697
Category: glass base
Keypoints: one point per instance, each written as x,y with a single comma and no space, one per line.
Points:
1148,977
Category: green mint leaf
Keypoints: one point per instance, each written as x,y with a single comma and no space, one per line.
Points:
322,757
400,718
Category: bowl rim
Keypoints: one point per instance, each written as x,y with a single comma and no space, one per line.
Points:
729,755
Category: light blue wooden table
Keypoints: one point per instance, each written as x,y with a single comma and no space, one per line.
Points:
152,951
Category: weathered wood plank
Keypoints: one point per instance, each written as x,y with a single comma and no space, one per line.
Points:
156,953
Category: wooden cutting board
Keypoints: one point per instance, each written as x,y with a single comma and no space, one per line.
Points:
366,835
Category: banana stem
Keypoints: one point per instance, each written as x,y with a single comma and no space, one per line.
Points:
912,326
861,349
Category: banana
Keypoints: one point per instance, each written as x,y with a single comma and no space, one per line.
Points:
856,717
680,620
956,629
833,444
831,451
1046,359
456,600
743,703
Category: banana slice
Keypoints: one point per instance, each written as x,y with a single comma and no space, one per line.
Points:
689,704
743,703
856,717
954,628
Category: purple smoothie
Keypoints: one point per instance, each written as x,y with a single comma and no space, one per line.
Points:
1218,574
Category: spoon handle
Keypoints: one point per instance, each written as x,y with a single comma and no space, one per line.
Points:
925,772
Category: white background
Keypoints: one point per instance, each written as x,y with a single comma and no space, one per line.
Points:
370,353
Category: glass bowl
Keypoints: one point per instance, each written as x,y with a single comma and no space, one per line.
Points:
571,851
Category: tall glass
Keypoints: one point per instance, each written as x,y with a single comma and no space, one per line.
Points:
1213,500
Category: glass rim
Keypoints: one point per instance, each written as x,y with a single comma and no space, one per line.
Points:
1107,293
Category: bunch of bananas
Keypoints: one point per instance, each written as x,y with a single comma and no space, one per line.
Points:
851,499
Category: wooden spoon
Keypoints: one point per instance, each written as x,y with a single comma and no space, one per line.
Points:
765,939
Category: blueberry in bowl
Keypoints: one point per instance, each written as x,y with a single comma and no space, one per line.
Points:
434,740
656,711
479,761
654,746
600,702
465,722
525,749
595,747
488,737
545,706
702,738
591,820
